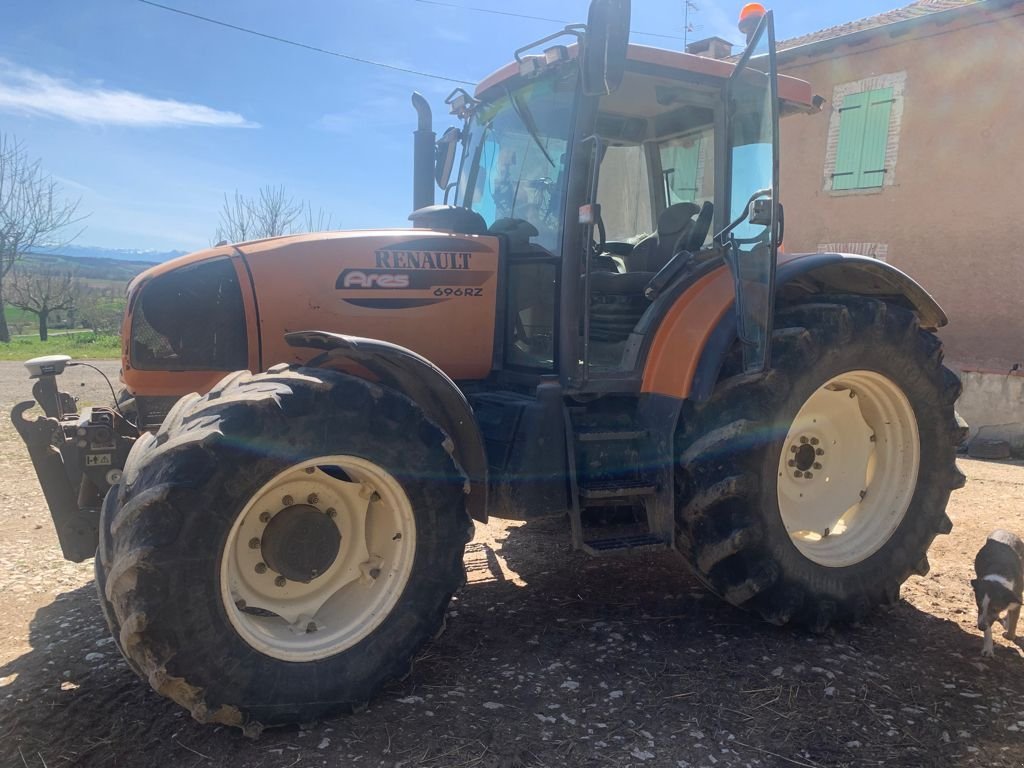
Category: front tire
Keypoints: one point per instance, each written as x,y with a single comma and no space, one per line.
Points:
284,546
811,493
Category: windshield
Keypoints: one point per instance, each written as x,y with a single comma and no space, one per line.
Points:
517,156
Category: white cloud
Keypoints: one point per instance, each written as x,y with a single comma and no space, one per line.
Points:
27,90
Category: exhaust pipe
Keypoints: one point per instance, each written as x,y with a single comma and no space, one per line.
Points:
424,142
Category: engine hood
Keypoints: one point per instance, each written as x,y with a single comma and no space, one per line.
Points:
432,292
267,244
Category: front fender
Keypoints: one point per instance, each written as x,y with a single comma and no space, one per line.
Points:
860,275
424,383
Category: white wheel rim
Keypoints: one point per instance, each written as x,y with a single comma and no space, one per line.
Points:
848,468
297,621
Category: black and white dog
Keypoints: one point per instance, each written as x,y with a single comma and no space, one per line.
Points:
1000,568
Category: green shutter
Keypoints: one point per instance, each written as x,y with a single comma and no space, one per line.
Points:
876,138
863,138
852,116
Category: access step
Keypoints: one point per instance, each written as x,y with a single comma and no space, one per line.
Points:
616,489
643,542
601,434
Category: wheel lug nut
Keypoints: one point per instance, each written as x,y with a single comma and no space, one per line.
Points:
240,605
798,473
264,517
261,567
332,512
819,452
280,581
803,441
311,627
310,470
375,573
792,449
375,497
808,475
792,463
814,441
287,501
817,465
312,498
254,543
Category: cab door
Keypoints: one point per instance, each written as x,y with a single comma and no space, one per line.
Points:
752,176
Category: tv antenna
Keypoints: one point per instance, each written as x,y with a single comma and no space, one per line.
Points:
688,26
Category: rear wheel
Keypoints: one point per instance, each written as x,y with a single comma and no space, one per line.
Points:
284,546
812,492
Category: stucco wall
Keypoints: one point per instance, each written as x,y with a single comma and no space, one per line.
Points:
993,404
953,217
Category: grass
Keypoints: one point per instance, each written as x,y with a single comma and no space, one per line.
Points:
84,345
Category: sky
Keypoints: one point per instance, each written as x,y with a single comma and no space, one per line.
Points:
151,117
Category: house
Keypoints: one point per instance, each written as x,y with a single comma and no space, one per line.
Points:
918,159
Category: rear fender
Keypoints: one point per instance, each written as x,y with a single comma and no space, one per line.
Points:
423,382
821,273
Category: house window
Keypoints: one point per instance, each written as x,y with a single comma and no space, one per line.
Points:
864,129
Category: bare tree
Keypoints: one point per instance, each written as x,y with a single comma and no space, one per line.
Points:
33,211
101,311
318,220
271,213
43,292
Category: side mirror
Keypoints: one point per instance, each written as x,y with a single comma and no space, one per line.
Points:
444,159
607,42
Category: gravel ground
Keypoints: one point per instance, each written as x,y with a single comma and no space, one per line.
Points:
550,659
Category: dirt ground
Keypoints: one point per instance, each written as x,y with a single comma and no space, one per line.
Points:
550,659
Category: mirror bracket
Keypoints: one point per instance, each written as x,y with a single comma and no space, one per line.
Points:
461,103
573,30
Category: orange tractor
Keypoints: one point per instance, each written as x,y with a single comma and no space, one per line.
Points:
599,326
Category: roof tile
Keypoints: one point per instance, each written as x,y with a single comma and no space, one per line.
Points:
912,11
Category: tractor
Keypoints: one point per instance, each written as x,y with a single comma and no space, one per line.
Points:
597,323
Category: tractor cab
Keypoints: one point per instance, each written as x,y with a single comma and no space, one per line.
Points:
615,194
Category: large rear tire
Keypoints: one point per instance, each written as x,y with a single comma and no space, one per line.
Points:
284,546
811,493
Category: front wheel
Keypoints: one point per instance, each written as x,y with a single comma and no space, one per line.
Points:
284,546
812,492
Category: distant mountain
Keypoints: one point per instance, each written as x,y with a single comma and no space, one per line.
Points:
117,254
89,268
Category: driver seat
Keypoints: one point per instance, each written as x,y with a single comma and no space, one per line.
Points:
617,299
674,226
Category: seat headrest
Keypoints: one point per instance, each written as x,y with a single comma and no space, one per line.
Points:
674,218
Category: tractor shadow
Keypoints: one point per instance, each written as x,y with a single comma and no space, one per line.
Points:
551,657
903,684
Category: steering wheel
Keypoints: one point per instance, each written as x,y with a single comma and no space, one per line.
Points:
601,233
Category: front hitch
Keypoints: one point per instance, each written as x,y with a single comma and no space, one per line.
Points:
77,457
46,443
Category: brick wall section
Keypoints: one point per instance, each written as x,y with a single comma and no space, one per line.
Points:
878,251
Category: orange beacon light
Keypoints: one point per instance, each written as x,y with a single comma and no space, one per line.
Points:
750,17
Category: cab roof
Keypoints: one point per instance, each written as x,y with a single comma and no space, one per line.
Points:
791,89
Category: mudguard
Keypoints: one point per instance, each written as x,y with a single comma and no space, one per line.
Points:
822,273
423,382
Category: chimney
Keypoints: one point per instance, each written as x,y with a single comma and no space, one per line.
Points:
712,47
